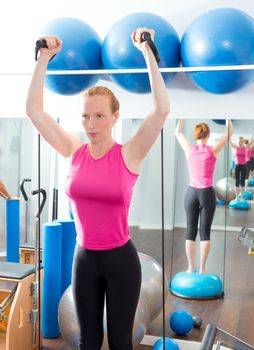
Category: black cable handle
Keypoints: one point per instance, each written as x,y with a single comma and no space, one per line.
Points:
41,44
145,36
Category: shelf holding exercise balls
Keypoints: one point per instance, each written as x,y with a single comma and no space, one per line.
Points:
119,52
81,50
221,36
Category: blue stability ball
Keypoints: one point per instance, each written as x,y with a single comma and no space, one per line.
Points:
222,36
251,182
81,50
247,195
170,344
239,204
219,121
181,322
118,51
196,285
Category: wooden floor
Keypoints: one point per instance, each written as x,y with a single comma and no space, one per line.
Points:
228,258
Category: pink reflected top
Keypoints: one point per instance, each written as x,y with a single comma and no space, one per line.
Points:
240,155
201,164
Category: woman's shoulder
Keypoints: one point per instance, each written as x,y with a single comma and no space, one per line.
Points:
77,151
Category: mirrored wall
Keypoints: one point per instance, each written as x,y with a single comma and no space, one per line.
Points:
228,257
19,174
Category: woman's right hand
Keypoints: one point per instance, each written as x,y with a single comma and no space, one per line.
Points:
136,38
54,46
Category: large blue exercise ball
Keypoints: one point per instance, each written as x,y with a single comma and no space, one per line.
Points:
219,121
170,344
222,36
181,322
81,50
118,51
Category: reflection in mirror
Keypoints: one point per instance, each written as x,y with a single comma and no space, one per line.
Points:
146,231
18,162
228,257
145,215
201,161
241,179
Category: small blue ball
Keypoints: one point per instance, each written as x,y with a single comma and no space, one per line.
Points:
170,344
251,182
181,322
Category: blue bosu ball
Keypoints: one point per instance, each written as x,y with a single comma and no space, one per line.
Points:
196,285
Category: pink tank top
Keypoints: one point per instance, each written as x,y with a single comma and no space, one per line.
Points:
248,151
252,152
201,164
240,155
100,192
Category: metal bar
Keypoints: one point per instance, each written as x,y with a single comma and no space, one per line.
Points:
240,344
140,70
208,338
7,301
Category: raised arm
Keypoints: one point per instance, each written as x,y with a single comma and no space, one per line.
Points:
62,141
138,146
225,139
184,143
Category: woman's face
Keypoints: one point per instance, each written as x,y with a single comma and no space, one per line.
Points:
97,117
240,142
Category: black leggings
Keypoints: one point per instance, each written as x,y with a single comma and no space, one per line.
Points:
199,202
252,164
116,275
240,174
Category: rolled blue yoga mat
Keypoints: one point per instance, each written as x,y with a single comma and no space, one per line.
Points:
68,247
51,288
12,229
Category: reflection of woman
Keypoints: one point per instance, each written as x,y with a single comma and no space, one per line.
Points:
240,166
200,201
247,145
100,184
3,191
252,158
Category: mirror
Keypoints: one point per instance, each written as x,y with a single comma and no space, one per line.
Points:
242,217
181,185
17,163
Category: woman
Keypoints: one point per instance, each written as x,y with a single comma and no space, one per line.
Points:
240,157
247,145
200,201
252,158
100,183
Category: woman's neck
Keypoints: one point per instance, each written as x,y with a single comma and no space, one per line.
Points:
98,149
201,142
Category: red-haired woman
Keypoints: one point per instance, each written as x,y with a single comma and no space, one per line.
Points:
200,200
